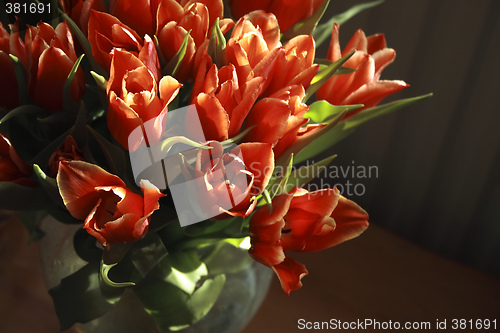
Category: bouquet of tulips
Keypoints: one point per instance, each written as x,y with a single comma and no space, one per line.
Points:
165,127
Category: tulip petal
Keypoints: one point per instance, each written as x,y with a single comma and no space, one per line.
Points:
266,247
151,196
372,93
213,117
53,69
375,43
77,181
169,88
350,219
357,42
259,160
290,273
268,118
136,14
382,59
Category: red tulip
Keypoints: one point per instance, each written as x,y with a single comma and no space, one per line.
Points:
254,46
222,103
321,219
363,86
51,56
288,12
302,221
107,32
175,19
113,213
268,120
295,65
12,167
135,97
10,43
228,183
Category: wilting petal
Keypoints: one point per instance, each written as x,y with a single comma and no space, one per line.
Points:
266,247
290,273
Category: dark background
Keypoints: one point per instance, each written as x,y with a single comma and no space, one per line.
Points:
438,161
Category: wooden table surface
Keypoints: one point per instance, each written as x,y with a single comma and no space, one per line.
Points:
377,276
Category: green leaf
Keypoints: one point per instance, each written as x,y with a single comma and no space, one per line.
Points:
167,144
324,63
23,110
166,303
325,75
147,253
205,297
85,246
377,111
175,63
43,156
308,25
31,221
187,281
321,111
100,80
224,259
104,270
49,185
329,138
161,57
305,174
67,101
79,131
324,31
217,45
78,299
266,199
231,142
20,72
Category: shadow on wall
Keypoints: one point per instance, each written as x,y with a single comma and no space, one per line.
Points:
438,161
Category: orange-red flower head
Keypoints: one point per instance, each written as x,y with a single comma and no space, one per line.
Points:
302,221
113,213
288,12
135,97
362,86
51,57
228,183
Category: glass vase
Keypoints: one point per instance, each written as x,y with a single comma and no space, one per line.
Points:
246,286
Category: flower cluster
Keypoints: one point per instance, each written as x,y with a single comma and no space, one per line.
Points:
80,90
